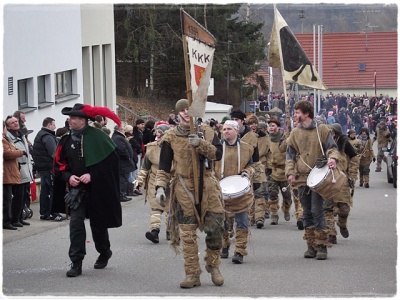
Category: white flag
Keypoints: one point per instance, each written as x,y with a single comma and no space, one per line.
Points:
200,59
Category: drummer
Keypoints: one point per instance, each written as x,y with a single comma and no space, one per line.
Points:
310,143
236,159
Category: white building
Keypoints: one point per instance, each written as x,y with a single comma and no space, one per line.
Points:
55,56
216,111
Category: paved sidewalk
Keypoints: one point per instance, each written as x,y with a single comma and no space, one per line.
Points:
38,226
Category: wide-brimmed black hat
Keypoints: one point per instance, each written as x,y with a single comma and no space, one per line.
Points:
90,112
76,110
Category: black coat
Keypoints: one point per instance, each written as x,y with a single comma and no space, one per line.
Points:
125,153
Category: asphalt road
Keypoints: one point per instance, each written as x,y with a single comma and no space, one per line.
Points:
35,258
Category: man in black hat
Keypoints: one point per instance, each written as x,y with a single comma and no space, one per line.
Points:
87,161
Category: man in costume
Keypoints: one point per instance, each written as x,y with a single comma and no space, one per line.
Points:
308,143
367,155
236,159
147,179
278,181
86,160
179,147
348,164
384,139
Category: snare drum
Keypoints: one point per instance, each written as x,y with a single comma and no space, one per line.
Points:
321,181
234,186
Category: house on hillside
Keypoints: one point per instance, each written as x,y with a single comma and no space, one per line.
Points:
55,56
349,62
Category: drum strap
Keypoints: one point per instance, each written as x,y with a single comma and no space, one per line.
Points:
320,143
223,158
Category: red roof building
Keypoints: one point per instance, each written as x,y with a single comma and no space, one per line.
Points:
350,61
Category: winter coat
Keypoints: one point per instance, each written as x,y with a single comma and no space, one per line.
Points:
24,161
11,173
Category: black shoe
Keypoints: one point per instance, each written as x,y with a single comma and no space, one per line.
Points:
9,227
168,236
76,269
300,224
125,199
102,260
361,184
18,224
367,185
260,223
344,232
46,218
24,223
237,258
322,253
224,253
153,236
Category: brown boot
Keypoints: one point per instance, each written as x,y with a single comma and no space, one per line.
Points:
310,253
322,252
190,282
216,275
188,238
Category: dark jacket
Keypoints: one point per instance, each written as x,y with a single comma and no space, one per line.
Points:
102,162
44,146
125,153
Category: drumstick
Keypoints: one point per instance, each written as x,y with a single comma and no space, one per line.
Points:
333,177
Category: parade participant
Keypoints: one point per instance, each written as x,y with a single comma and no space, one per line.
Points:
177,149
303,151
295,193
384,139
259,205
367,155
86,159
236,159
353,140
146,179
277,179
340,203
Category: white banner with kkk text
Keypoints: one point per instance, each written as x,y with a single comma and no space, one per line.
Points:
200,60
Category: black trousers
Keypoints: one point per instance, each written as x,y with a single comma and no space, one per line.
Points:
7,200
18,201
77,234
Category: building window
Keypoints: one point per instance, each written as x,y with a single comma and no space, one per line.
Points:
41,89
63,84
361,67
22,93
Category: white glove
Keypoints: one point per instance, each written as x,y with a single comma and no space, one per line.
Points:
135,184
160,196
194,140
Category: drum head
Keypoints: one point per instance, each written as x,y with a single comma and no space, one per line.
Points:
234,184
317,175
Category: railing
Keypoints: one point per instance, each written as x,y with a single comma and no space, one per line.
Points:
130,115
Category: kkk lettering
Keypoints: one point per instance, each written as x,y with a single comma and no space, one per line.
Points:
203,58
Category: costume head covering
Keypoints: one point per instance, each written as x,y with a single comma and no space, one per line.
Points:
364,129
252,120
90,112
262,125
181,104
276,121
238,114
336,128
232,123
351,131
262,119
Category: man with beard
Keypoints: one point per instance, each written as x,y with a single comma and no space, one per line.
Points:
177,148
303,152
277,179
348,164
367,155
